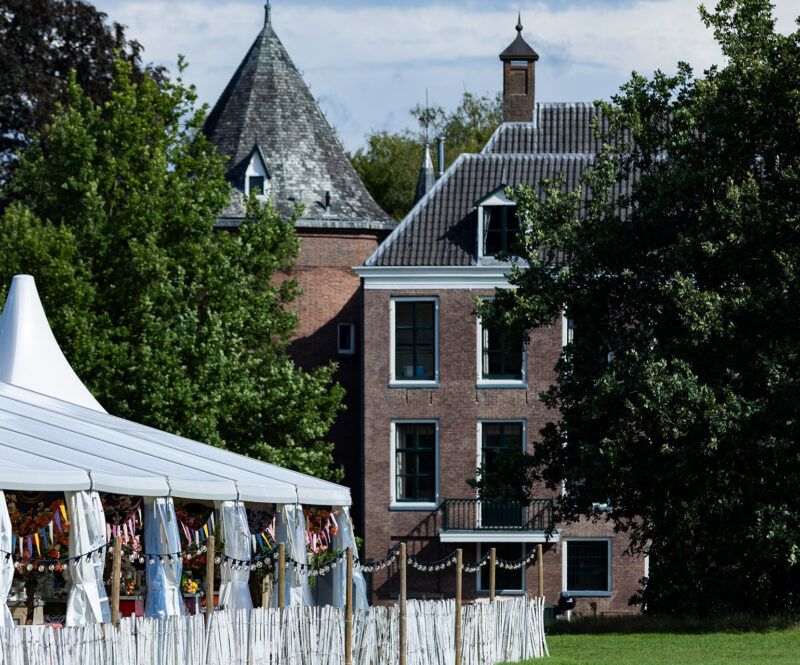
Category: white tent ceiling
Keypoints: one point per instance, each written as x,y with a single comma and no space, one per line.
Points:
55,436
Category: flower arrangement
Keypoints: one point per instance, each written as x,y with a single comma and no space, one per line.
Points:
189,585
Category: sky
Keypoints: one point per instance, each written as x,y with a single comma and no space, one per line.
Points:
367,62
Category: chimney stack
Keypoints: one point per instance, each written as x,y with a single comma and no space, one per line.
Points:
439,156
519,79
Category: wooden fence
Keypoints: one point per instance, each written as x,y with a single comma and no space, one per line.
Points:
503,630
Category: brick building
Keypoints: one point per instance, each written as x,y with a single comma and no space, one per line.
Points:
279,144
440,392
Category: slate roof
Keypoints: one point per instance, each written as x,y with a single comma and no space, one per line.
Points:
441,228
557,128
267,102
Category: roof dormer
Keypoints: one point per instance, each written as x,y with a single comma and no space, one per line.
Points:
498,224
256,175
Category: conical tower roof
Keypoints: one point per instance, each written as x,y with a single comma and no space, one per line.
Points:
268,104
29,354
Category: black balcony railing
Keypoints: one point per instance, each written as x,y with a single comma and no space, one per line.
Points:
476,514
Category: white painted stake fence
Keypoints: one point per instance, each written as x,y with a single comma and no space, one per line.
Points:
505,630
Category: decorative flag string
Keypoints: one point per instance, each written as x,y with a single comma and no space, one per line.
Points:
43,537
198,536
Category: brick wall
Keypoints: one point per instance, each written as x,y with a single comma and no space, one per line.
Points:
456,405
331,295
519,86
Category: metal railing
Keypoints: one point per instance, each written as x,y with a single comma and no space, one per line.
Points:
480,515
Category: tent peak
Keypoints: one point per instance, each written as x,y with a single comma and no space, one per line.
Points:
29,353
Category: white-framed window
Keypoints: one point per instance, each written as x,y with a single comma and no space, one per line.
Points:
414,465
586,566
346,338
414,343
505,580
497,366
498,224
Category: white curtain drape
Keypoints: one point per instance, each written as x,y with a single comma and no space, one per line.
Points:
290,528
342,540
87,602
234,594
161,539
6,563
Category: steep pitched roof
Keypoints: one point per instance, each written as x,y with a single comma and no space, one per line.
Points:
441,228
268,103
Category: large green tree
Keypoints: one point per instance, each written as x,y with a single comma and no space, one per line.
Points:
678,401
389,162
40,42
168,321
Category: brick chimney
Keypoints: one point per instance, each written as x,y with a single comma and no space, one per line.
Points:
519,79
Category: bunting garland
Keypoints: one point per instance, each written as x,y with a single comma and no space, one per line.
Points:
264,541
39,538
197,536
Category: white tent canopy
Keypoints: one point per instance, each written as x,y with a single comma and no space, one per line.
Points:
55,436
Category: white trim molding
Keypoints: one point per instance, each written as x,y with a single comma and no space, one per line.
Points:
434,277
496,536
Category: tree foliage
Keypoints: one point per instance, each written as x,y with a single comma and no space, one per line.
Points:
167,321
677,401
41,41
389,163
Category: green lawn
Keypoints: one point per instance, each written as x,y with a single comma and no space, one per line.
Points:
774,647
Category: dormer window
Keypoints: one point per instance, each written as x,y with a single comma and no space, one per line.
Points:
501,228
256,176
255,184
498,224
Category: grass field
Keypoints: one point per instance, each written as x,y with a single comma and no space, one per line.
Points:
674,645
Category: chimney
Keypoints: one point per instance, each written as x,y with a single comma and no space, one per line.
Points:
519,79
439,156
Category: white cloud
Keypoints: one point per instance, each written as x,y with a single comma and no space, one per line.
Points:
369,65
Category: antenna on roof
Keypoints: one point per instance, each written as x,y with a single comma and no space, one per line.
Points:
427,122
267,9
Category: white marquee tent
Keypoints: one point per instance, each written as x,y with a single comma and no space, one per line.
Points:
55,436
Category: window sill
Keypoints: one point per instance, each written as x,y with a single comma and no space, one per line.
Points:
584,594
500,383
413,384
413,505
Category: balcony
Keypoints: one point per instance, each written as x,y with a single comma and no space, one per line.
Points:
475,520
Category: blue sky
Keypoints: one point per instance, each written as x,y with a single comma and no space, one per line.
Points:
369,61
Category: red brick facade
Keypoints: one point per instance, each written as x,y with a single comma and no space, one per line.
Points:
332,295
457,406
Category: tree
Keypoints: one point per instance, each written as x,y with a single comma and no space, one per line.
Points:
389,163
40,42
167,321
676,402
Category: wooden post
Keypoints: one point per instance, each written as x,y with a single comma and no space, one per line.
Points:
210,554
281,576
403,597
492,572
457,644
348,611
540,570
116,573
